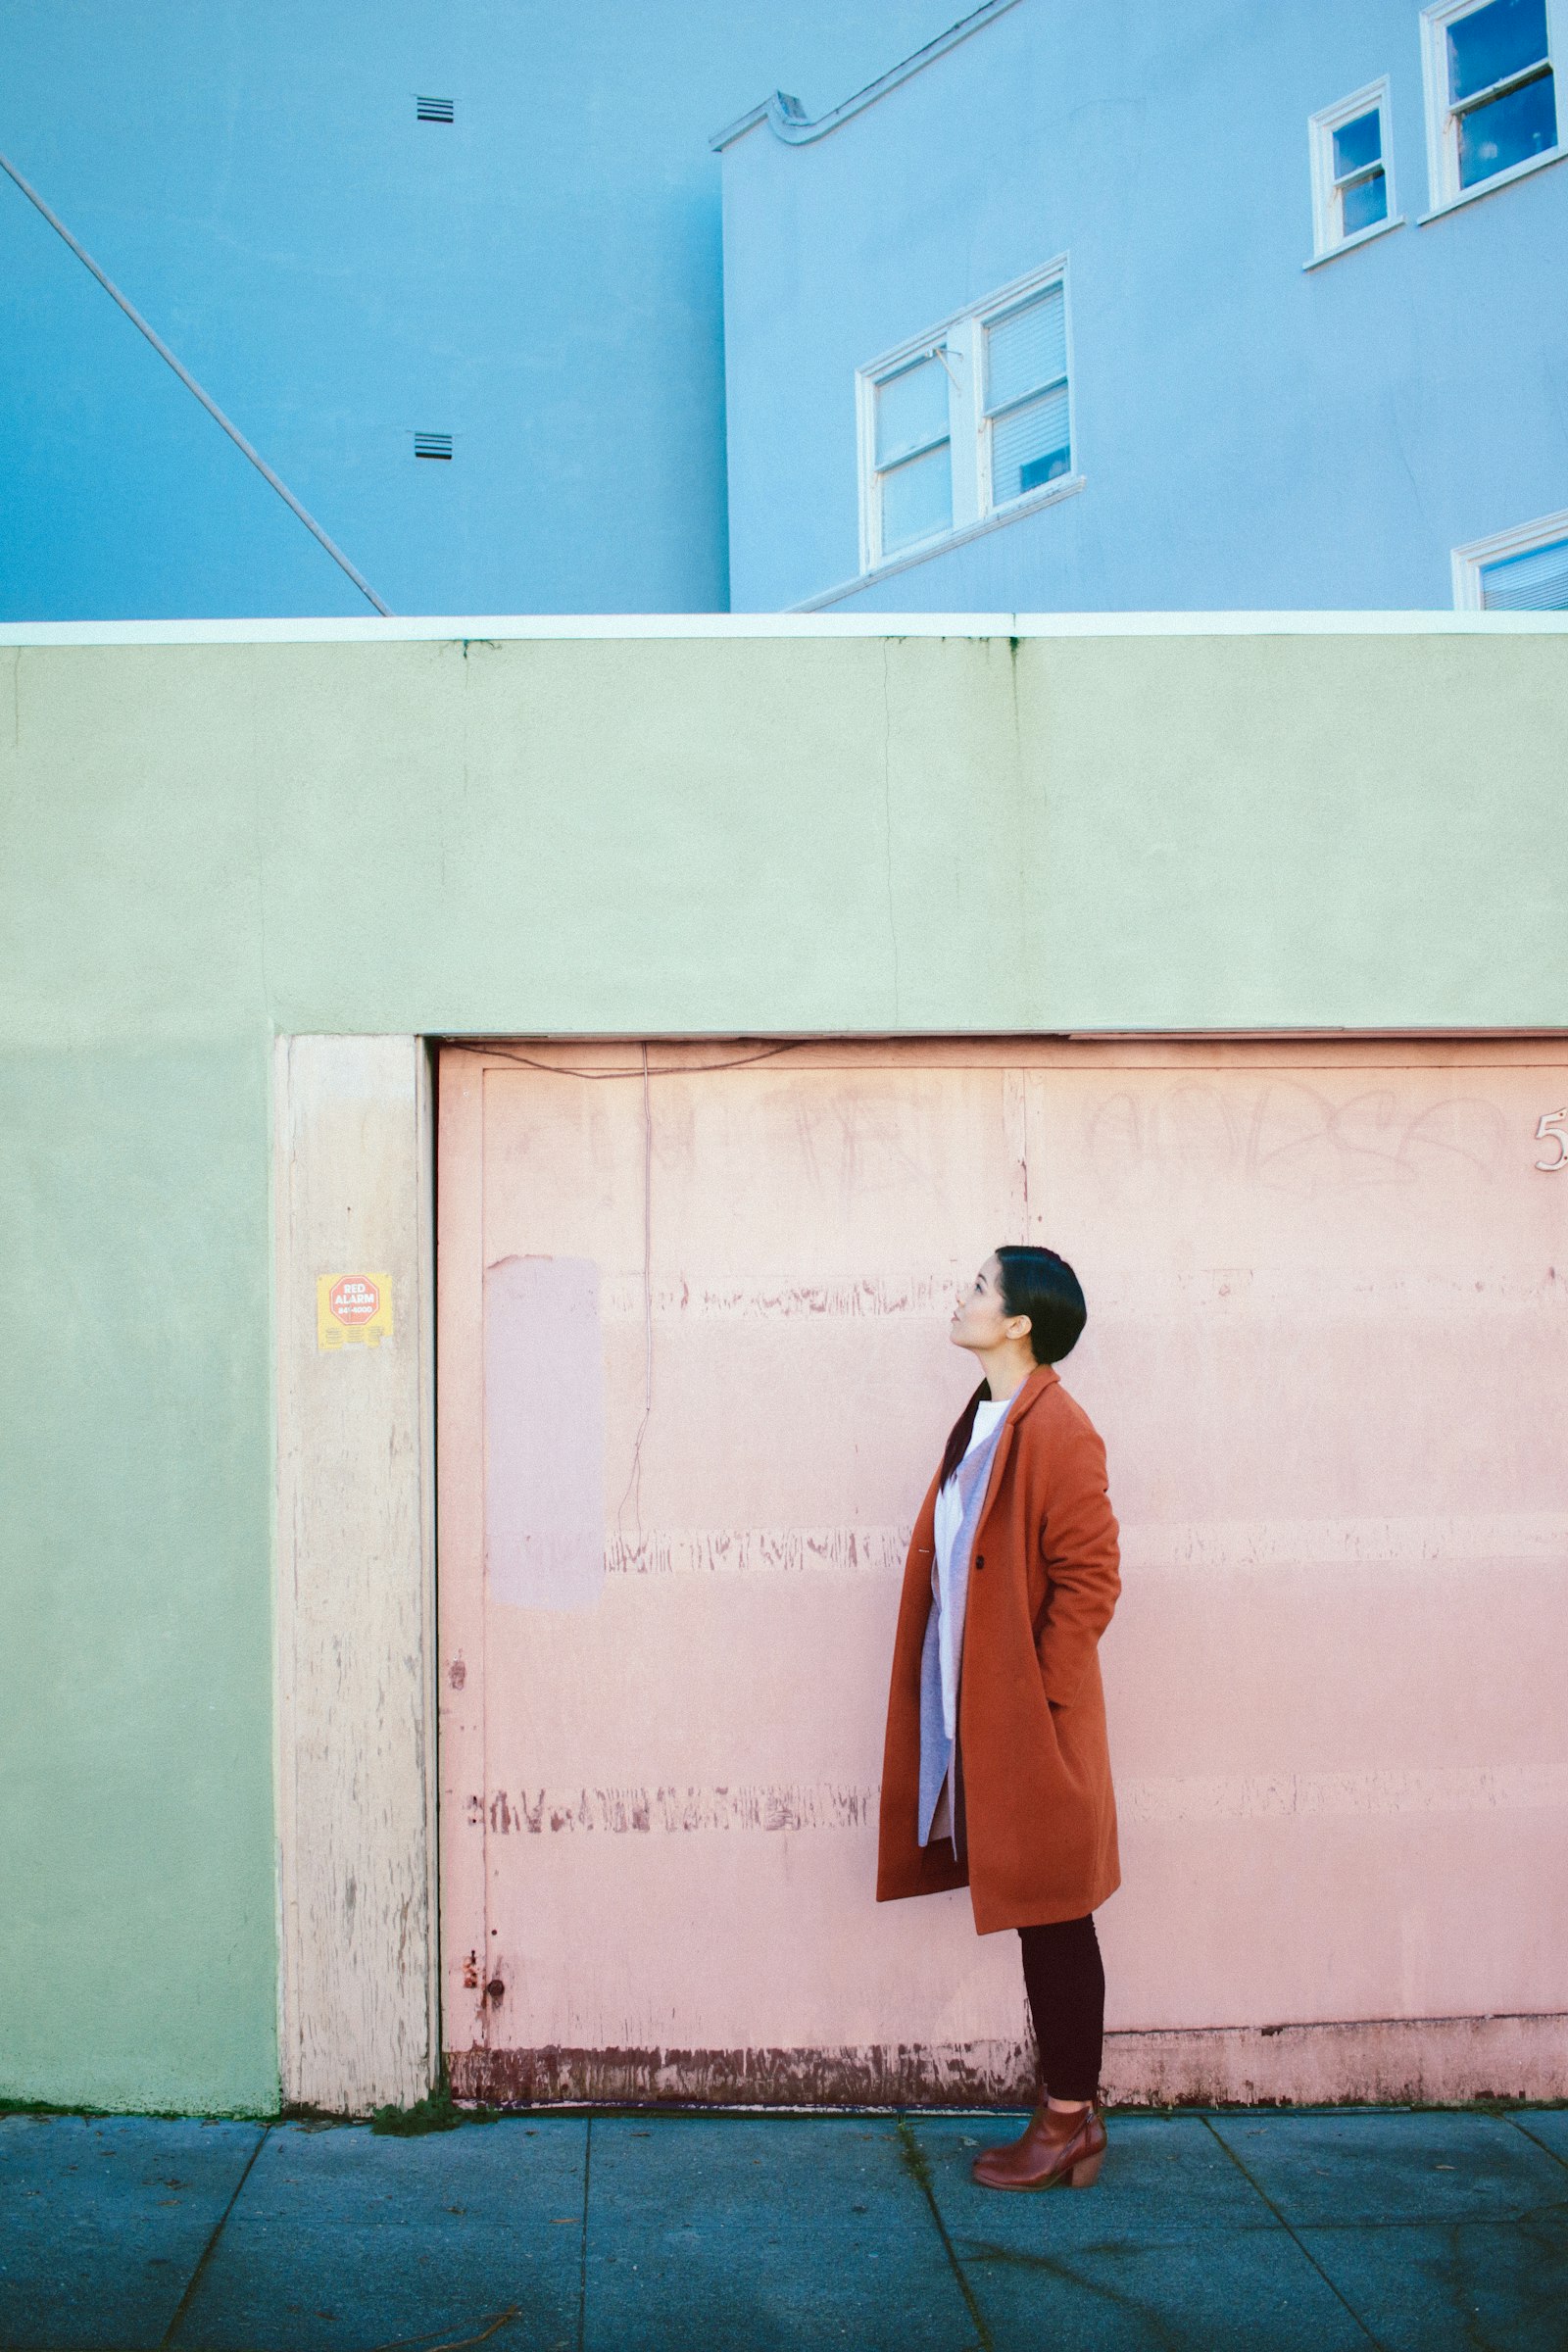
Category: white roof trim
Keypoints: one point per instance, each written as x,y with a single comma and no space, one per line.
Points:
788,120
554,627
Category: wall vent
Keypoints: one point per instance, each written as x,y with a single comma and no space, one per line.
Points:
432,445
434,110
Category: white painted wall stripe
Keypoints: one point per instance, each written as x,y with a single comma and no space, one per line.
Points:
759,1551
504,628
1134,1298
1217,1543
1344,1795
1211,1546
1191,1800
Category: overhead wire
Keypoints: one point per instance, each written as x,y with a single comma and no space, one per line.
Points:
669,1069
191,385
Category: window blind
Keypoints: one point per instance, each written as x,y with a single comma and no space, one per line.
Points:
1533,583
1029,446
1026,350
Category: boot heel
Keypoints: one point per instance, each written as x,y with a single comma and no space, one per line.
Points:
1086,2172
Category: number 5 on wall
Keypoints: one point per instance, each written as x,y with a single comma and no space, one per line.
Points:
1549,1130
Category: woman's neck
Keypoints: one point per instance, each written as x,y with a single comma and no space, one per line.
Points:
1005,1370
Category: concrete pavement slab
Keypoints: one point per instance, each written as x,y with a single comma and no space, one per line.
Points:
1547,2127
1459,2286
103,2221
1393,2165
344,2239
753,2235
1164,2179
1171,2248
1414,2230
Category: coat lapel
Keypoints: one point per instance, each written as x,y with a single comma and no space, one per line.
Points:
1042,1378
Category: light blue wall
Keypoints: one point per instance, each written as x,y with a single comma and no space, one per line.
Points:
542,280
1252,435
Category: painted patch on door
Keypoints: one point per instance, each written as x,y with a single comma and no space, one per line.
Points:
544,1433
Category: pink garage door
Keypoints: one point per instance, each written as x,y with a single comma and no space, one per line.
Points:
692,1379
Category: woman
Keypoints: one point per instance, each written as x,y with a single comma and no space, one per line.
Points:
997,1776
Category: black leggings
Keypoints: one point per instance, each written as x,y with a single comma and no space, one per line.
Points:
1065,1982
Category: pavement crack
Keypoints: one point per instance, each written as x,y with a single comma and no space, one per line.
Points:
1536,2141
1261,2192
916,2165
461,2343
1147,2324
172,2332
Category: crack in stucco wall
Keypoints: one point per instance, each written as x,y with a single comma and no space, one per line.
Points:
887,819
260,847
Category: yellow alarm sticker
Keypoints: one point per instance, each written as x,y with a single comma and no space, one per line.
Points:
353,1311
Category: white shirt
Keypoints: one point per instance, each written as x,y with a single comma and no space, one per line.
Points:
949,1520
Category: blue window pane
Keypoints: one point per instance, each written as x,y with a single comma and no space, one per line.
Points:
1508,130
1029,446
1533,583
911,410
1357,144
1365,205
1492,42
917,500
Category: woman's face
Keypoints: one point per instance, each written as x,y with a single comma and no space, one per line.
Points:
980,1320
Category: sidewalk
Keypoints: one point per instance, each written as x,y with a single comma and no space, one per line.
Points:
1413,2231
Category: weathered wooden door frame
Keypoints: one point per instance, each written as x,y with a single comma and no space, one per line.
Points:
354,1757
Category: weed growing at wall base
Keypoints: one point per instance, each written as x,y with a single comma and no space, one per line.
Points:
438,2111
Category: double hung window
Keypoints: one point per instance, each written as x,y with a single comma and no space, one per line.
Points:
1492,96
914,438
1524,571
1352,171
968,423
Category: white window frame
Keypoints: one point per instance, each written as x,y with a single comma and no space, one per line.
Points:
1444,192
960,341
1469,563
1328,238
934,346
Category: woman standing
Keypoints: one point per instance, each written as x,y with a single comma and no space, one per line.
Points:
996,1773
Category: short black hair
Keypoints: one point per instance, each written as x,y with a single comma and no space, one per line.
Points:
1039,1284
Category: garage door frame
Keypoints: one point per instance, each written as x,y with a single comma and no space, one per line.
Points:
359,1960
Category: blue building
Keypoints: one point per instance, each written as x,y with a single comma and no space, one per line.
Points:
366,231
1102,305
1085,304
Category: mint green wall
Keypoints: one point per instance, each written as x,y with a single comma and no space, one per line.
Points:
202,845
136,1934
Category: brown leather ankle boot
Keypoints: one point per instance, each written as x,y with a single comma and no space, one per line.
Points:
1054,2148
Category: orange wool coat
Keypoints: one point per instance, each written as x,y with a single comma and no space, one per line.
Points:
1040,1814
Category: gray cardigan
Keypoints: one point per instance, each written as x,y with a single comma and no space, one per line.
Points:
974,1475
